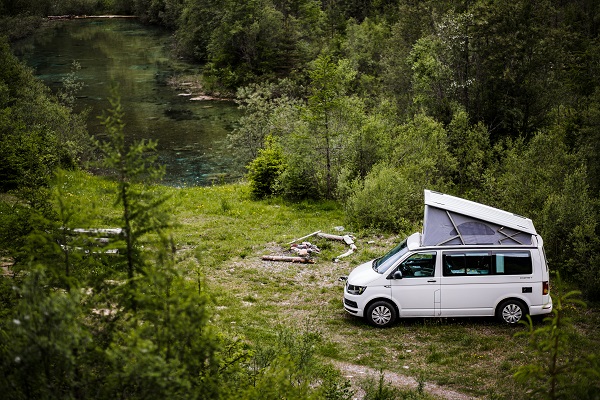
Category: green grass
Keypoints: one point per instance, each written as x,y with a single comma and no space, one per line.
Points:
222,234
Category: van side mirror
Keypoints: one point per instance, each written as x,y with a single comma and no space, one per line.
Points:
397,275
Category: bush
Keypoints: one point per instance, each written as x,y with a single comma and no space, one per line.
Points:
386,200
264,171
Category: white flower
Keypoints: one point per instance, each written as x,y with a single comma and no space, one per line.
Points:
17,359
16,322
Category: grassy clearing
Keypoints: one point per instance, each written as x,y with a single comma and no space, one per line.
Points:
221,236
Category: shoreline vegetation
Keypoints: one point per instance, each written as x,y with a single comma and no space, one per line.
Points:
60,17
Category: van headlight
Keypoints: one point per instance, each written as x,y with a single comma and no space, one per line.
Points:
352,289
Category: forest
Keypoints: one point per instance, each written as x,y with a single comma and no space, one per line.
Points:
363,103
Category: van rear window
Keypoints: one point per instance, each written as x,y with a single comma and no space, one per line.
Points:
487,263
512,263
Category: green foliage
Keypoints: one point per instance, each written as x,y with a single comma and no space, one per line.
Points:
163,12
168,348
333,387
390,197
470,147
264,171
325,115
197,21
497,101
421,152
42,345
365,46
569,225
287,366
381,390
37,135
555,373
133,163
431,77
386,199
18,27
248,39
268,110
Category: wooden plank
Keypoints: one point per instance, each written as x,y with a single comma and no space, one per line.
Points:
304,237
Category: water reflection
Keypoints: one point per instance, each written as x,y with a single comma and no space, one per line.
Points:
191,134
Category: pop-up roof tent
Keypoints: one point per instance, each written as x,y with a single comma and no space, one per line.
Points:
453,221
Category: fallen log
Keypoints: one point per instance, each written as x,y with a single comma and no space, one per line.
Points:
103,231
70,16
330,236
346,238
304,237
302,260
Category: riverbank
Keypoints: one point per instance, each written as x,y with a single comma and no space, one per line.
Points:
193,87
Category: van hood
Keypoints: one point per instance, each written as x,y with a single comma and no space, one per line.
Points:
363,274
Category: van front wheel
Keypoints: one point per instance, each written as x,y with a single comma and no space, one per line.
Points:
511,311
381,314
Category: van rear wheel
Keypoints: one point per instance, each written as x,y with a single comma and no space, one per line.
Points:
381,314
511,311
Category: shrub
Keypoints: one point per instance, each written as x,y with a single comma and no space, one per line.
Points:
264,171
386,200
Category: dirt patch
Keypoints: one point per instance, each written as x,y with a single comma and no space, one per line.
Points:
356,373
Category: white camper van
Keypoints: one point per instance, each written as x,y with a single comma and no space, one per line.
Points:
471,260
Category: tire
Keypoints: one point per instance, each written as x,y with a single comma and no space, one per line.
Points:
381,314
511,312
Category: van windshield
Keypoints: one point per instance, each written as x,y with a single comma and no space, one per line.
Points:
382,264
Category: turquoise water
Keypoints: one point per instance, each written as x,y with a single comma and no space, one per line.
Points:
191,135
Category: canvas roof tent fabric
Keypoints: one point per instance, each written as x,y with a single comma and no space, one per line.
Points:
453,221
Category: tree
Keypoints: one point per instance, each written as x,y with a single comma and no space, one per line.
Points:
365,47
555,374
197,22
43,343
250,41
391,195
470,147
133,165
37,134
569,224
516,51
431,78
325,114
268,111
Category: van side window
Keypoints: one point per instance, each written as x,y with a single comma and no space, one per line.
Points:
418,265
461,264
512,263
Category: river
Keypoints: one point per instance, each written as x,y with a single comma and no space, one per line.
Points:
191,135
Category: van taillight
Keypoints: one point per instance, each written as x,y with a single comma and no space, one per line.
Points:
545,288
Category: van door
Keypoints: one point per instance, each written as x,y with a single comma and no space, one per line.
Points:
417,290
469,288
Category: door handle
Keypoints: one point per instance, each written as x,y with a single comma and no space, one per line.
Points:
431,281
